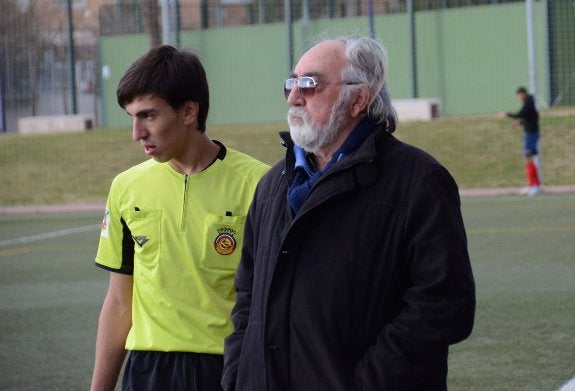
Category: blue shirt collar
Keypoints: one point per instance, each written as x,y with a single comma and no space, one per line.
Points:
301,160
353,141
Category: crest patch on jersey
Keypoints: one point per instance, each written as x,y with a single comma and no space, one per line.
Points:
225,243
105,230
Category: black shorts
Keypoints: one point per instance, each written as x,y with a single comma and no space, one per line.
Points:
174,371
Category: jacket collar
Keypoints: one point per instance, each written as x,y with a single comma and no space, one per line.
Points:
365,153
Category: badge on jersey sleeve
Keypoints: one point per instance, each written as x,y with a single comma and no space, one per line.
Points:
105,229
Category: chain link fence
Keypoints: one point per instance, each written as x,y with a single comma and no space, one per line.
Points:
36,77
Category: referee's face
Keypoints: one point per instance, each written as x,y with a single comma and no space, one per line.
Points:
163,132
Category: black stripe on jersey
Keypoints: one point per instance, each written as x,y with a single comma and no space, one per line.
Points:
127,248
127,266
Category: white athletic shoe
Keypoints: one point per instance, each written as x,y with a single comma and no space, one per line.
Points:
569,386
533,190
525,190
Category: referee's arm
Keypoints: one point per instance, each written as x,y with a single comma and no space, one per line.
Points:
113,327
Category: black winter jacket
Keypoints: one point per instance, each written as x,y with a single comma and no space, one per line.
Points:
364,289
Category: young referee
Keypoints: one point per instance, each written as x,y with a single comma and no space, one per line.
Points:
171,235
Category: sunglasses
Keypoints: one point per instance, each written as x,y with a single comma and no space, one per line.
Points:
307,85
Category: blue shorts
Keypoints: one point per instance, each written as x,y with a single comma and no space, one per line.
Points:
530,143
174,371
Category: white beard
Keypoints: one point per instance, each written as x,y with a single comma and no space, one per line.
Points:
312,136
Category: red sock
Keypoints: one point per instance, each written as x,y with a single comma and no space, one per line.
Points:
531,171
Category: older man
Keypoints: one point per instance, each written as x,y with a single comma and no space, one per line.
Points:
355,273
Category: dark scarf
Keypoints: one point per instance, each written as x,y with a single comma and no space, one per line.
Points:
305,173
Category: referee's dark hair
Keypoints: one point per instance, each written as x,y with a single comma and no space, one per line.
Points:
177,76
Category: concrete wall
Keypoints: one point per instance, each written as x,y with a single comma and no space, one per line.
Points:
471,59
55,123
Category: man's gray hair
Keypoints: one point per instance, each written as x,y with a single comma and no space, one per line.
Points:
368,64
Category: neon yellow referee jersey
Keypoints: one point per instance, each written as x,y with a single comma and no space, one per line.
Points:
180,236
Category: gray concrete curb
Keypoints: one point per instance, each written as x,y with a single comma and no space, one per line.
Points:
32,209
99,207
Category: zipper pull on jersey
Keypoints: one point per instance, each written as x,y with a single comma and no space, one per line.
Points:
184,204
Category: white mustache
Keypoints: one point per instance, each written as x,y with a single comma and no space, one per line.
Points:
298,112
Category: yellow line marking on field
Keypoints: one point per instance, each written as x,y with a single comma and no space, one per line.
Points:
520,230
14,251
